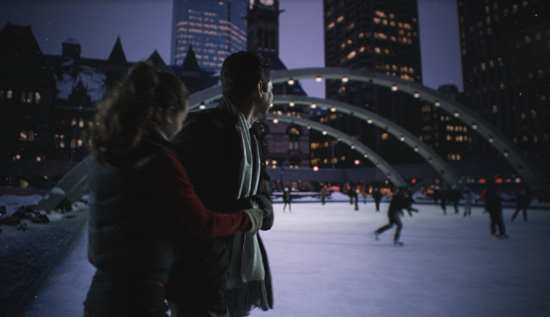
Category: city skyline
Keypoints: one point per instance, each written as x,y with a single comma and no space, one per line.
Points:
145,26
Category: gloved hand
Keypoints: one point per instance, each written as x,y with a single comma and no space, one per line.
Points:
256,217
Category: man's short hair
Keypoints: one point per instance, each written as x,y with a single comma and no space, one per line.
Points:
241,72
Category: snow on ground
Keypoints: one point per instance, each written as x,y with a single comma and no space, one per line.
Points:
325,262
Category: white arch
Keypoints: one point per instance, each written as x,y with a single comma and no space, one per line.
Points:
438,163
497,139
368,153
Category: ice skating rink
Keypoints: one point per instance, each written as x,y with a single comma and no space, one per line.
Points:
325,262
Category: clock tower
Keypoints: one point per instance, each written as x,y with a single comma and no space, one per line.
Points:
263,26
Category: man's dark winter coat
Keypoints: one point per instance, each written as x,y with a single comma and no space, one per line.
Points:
209,148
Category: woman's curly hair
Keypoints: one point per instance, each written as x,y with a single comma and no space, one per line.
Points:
131,109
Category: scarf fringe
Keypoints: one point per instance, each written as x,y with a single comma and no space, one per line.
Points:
251,295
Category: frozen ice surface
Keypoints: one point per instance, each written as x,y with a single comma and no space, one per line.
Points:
325,262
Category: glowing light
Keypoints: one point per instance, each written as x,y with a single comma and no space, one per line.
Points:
357,162
315,168
402,138
474,126
505,153
333,109
313,106
318,79
291,81
437,103
275,121
291,104
416,94
456,114
202,106
491,139
345,79
369,121
416,149
394,88
365,155
325,132
353,147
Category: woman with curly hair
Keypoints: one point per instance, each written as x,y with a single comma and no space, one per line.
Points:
142,204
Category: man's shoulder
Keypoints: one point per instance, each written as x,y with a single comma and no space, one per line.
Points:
214,118
205,126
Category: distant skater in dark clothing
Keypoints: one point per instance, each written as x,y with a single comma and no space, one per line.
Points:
323,194
354,198
443,201
468,200
454,197
400,201
493,205
377,196
286,199
523,202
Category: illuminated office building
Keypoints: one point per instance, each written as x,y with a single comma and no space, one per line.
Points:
506,70
380,36
214,28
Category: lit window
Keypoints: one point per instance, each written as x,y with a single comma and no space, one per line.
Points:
37,97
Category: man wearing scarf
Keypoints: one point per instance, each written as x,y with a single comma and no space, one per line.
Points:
222,151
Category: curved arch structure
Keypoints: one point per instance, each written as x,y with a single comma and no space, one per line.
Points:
368,153
436,161
505,146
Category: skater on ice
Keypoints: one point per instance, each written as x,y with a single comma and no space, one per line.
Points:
401,200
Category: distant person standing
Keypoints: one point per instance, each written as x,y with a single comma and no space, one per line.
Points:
353,198
454,197
377,196
443,201
523,201
468,200
364,193
323,194
493,205
286,199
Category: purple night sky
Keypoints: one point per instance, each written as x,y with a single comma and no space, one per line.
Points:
144,25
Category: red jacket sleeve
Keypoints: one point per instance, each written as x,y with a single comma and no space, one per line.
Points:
167,178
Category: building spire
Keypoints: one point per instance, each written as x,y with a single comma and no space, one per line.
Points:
117,54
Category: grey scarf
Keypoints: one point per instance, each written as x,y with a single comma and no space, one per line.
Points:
246,286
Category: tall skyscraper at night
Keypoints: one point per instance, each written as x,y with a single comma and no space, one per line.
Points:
380,36
506,70
214,28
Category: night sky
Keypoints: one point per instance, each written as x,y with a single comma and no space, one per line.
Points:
145,25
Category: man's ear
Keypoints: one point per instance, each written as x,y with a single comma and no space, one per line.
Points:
260,88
